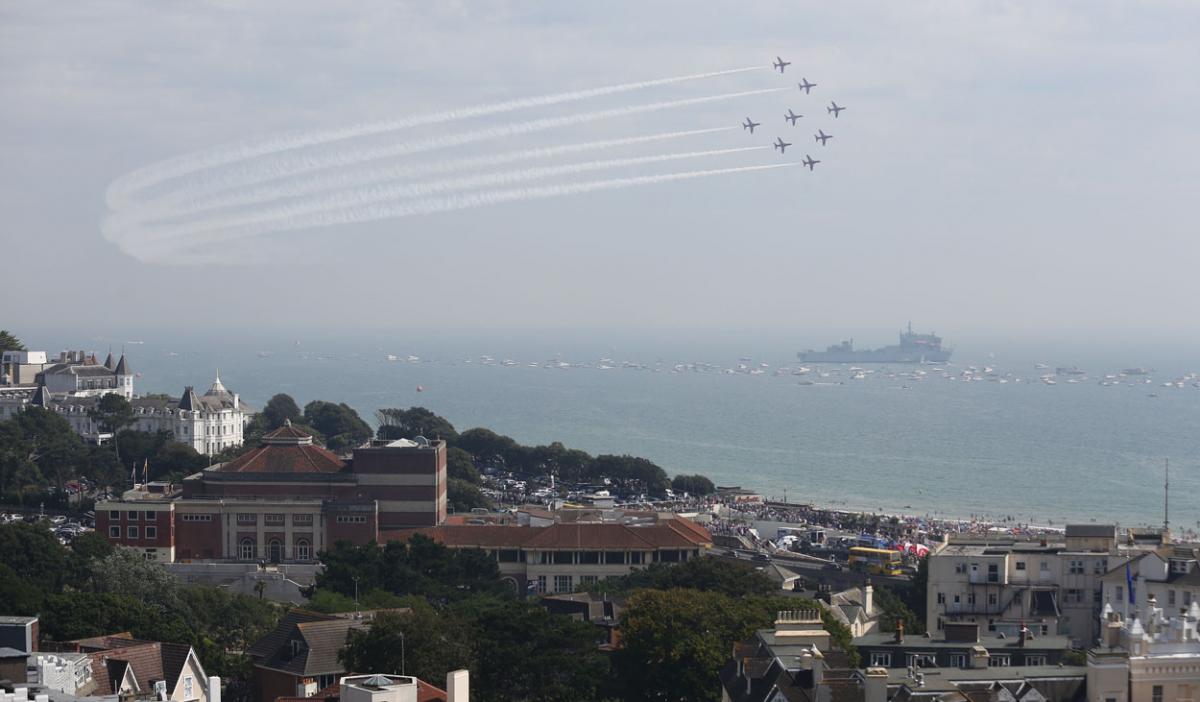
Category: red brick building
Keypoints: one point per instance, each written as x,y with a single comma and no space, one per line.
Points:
283,501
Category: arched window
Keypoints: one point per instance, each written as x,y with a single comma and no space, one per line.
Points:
246,549
303,550
275,550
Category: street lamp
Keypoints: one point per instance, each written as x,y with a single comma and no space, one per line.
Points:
355,578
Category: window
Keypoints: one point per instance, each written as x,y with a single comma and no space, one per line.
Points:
196,517
1020,565
589,557
1170,597
960,568
1035,660
922,660
303,550
246,549
151,532
131,532
114,532
1187,598
636,557
302,519
881,659
508,555
541,584
1100,567
999,661
1045,630
563,583
1120,593
958,660
351,519
244,518
957,599
187,687
1156,693
133,516
971,598
614,557
993,573
1074,596
273,519
562,557
1075,567
992,599
1044,567
114,514
588,580
941,598
151,516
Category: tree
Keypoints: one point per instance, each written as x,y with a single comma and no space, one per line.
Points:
339,423
894,610
485,445
464,497
34,554
422,642
419,567
125,571
694,485
416,421
280,408
8,342
523,652
704,574
112,413
39,438
461,466
630,468
673,642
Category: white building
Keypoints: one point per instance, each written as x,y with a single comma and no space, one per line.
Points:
1151,655
72,386
1051,586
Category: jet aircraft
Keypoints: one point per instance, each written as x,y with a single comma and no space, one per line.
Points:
822,137
780,63
792,116
750,125
806,86
808,161
833,108
781,145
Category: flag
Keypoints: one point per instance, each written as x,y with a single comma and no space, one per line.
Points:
133,473
1129,583
146,470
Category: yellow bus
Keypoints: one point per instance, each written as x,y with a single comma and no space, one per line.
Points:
879,561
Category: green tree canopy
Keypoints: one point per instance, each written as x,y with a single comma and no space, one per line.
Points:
8,342
423,642
706,574
464,497
630,468
694,485
460,465
419,567
112,412
341,426
280,408
485,445
412,422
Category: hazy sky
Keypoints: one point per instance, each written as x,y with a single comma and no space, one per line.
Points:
1003,168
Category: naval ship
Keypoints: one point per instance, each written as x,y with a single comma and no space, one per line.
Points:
913,348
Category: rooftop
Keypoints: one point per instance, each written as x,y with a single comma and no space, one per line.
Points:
990,642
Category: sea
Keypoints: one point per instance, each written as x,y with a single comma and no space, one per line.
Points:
1094,450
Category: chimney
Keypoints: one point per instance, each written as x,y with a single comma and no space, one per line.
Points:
875,684
458,686
900,631
868,599
1023,635
979,657
214,689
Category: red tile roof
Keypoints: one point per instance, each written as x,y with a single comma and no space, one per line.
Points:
670,533
285,459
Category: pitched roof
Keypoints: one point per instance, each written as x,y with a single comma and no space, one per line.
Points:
122,366
108,362
668,534
189,400
284,459
268,645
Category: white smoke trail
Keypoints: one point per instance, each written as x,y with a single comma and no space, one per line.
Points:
124,187
164,251
384,193
183,204
286,167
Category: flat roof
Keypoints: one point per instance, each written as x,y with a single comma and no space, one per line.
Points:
1007,643
945,678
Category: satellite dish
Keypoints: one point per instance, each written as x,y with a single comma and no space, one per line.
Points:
420,441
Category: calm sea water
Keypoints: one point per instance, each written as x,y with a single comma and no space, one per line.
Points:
1039,453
